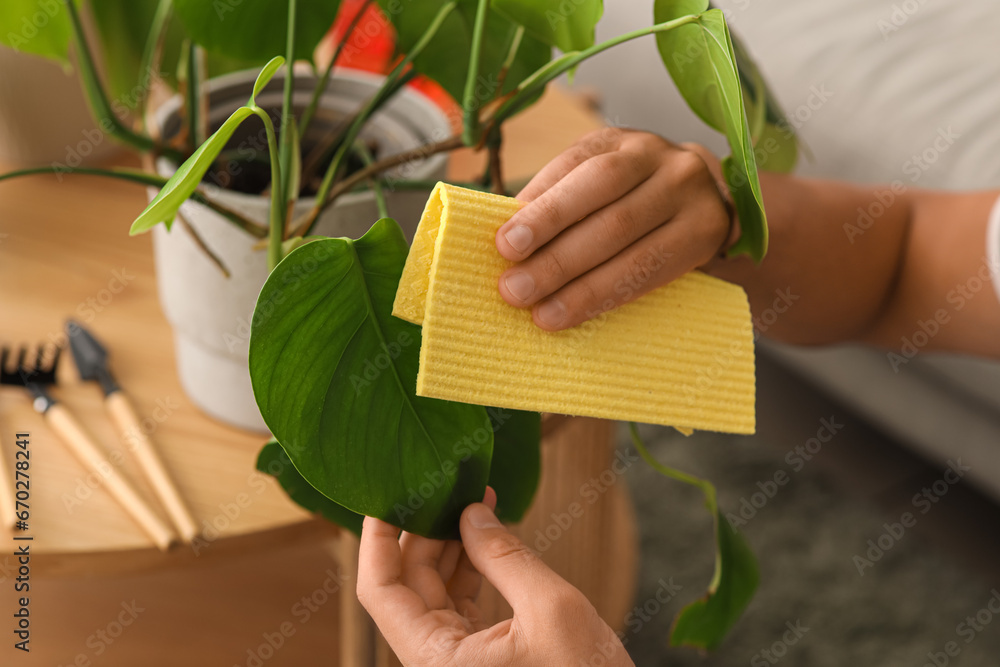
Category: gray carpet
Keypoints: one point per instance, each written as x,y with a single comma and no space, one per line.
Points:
909,603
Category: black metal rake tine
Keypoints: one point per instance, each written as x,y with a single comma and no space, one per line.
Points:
39,372
4,355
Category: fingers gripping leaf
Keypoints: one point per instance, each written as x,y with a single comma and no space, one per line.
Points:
334,375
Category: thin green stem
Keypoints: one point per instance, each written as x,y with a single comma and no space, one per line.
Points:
365,113
192,103
386,163
495,167
131,175
152,52
361,150
97,99
324,79
276,226
144,178
541,77
470,102
515,44
280,189
707,488
330,141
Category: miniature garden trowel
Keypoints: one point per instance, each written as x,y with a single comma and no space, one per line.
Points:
92,361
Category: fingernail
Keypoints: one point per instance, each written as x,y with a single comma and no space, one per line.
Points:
519,237
552,313
480,516
520,284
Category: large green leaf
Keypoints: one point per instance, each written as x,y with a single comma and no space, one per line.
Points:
40,27
254,30
185,180
334,375
273,461
517,460
446,58
704,623
568,26
700,59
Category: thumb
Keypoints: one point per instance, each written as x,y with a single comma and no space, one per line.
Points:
506,562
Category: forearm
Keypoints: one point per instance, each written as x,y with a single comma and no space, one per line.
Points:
866,263
944,280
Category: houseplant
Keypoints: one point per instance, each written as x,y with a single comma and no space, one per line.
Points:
506,44
208,311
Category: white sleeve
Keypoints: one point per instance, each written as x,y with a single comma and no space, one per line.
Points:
993,246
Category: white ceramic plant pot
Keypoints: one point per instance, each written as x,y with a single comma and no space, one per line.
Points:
211,314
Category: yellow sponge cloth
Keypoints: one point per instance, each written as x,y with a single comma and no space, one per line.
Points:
680,356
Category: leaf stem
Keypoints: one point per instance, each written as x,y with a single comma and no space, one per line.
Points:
152,53
200,242
707,488
192,105
470,102
97,99
322,194
508,62
346,185
536,81
276,222
376,184
496,173
279,188
324,80
330,140
151,180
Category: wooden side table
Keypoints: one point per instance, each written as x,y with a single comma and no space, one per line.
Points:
65,252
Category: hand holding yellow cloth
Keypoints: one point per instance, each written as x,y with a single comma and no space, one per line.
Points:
680,356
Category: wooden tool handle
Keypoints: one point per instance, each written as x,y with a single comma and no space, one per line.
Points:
72,433
128,424
7,517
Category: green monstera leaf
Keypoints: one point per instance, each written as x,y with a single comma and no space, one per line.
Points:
334,375
517,460
446,59
568,26
254,30
40,27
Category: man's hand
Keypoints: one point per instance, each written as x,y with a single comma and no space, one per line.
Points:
615,216
422,594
